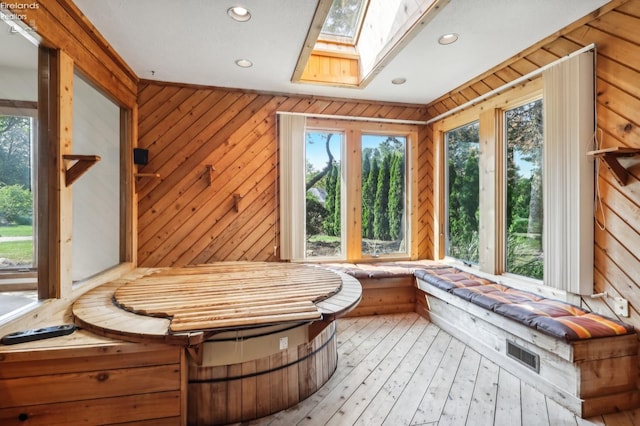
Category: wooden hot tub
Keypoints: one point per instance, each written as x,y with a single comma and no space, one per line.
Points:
260,336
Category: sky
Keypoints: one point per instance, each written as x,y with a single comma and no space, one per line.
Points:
316,151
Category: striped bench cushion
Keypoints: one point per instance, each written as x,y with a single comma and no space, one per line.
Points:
553,317
382,269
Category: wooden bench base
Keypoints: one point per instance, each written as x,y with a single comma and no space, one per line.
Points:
85,379
589,377
390,295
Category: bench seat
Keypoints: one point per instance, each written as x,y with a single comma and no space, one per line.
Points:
584,361
554,317
387,287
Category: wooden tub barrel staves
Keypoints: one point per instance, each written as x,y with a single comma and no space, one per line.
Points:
267,383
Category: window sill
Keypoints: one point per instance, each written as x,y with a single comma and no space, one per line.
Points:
53,311
17,283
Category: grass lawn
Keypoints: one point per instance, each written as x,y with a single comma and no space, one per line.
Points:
18,252
323,238
16,231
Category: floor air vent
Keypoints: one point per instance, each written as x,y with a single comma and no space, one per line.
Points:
524,356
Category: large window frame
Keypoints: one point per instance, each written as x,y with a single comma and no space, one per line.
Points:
26,276
52,142
59,58
492,188
568,94
353,130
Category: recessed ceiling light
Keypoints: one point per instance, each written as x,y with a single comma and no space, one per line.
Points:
239,13
399,80
244,63
448,38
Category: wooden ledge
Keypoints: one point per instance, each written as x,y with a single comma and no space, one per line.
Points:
81,165
610,157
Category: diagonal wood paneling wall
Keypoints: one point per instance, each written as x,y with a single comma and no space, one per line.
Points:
182,220
188,215
614,29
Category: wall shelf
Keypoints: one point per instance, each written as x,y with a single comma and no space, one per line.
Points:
236,202
610,157
81,164
150,175
209,172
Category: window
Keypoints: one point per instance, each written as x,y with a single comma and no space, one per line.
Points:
493,202
532,182
524,211
323,185
343,21
353,196
19,230
384,199
463,202
16,193
353,39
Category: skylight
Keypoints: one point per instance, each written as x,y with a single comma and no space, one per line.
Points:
351,40
343,21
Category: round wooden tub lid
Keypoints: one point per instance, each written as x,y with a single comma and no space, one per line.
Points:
184,305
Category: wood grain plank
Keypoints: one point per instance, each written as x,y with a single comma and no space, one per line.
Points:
62,387
534,407
456,408
366,392
432,404
103,411
333,401
410,399
508,400
531,405
483,402
387,396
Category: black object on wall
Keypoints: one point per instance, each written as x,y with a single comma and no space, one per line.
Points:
140,156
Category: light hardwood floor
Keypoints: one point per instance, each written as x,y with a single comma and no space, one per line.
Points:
402,370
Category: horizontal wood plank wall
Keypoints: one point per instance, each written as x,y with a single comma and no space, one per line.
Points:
120,382
63,26
614,29
216,153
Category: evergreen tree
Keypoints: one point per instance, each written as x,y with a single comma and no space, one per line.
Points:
463,217
366,203
469,191
15,151
331,223
369,187
396,196
329,203
337,204
381,205
524,133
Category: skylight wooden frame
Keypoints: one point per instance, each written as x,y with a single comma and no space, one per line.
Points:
392,47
